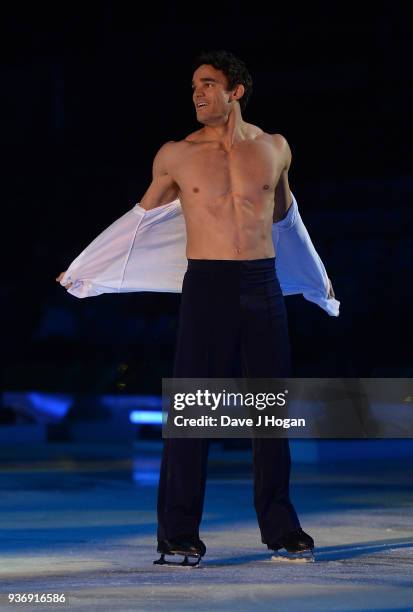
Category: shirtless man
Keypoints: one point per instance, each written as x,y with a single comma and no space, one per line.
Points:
230,176
232,181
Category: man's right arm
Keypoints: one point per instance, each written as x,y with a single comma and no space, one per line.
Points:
163,188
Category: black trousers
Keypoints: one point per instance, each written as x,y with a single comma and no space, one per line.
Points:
233,323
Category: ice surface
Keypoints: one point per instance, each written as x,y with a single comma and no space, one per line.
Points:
85,525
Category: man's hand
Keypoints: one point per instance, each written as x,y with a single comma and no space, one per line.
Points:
330,291
59,278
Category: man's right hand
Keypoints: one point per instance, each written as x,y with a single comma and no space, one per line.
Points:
59,278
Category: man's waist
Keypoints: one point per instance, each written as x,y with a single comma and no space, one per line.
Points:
267,263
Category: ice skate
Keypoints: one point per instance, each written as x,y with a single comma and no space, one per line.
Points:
191,548
296,546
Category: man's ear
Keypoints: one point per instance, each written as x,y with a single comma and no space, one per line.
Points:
237,93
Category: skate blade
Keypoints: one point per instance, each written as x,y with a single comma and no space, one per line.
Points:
185,563
306,556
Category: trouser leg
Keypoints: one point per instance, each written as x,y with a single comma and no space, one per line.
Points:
206,347
275,513
181,487
266,354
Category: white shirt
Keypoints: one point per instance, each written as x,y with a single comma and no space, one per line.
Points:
144,250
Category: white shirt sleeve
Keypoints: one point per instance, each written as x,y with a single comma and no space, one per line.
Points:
299,267
144,250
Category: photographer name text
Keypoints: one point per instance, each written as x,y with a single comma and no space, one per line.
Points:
227,421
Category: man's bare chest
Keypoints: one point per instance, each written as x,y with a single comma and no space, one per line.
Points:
211,168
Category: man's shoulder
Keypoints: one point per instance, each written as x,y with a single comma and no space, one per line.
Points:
171,145
279,141
195,137
281,147
170,149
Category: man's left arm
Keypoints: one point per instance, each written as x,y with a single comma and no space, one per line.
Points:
283,198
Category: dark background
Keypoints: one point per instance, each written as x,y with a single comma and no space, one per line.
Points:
92,90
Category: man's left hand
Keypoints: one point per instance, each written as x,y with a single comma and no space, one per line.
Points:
330,291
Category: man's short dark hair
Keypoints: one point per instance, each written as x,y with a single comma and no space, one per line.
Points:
234,69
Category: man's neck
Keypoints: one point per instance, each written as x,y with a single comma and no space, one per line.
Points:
229,132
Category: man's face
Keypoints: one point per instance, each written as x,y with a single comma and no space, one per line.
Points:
210,94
